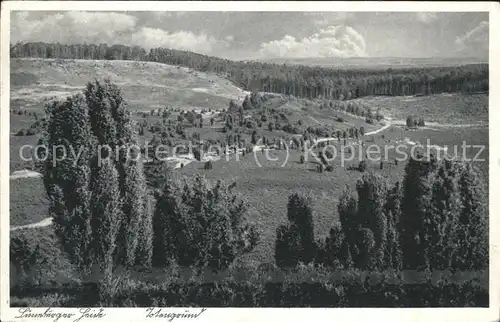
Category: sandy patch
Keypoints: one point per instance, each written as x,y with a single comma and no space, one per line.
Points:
44,223
24,174
200,90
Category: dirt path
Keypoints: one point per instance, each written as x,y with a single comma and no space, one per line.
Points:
312,118
385,127
43,223
24,174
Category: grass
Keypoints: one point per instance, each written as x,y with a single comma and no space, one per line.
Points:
145,85
442,108
16,146
266,189
28,203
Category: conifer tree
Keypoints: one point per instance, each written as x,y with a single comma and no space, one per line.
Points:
393,212
372,192
67,180
415,207
107,216
472,234
347,210
84,123
296,241
440,224
112,124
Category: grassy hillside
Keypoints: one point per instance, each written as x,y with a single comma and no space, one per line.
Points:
454,109
145,85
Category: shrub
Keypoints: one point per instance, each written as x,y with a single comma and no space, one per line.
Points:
305,286
251,124
295,242
329,168
30,132
29,261
156,128
201,224
20,133
197,154
208,165
362,166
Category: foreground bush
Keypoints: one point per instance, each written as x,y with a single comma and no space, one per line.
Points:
36,259
295,242
200,224
304,287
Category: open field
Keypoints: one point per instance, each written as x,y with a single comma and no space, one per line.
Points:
145,85
454,109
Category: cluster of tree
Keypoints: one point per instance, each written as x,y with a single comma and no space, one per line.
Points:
353,107
414,122
194,118
98,199
435,220
19,111
102,211
78,51
253,101
300,81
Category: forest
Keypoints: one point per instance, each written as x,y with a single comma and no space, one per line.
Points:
299,81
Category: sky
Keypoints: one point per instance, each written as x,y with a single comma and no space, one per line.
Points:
262,35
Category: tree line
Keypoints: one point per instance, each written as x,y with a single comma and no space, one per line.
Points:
300,81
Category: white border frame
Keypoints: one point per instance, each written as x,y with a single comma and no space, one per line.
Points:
276,314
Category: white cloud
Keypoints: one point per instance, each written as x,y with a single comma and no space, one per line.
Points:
72,27
323,19
106,27
184,40
426,17
334,41
475,41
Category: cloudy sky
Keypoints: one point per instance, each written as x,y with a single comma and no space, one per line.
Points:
256,35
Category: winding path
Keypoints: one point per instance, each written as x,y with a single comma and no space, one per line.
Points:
383,128
43,223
